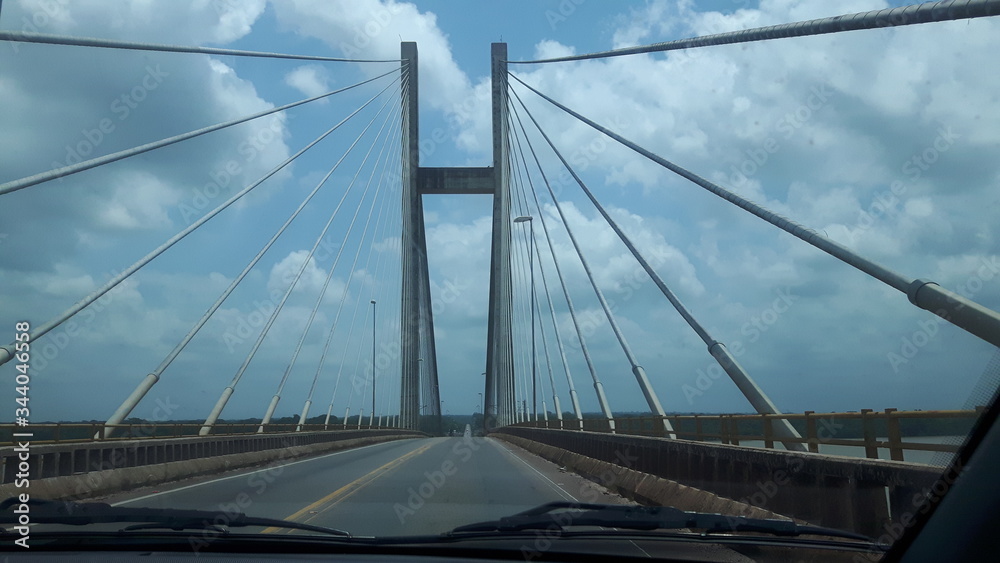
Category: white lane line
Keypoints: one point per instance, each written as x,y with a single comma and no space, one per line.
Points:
269,468
637,546
551,483
557,487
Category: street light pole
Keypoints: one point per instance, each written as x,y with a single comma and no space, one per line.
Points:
373,358
534,360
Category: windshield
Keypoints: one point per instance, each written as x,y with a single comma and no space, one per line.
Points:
399,268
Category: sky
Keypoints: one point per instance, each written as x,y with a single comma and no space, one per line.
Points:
883,140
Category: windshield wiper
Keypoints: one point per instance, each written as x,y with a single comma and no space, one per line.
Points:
646,518
84,513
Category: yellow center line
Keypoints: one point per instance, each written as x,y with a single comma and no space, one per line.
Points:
349,489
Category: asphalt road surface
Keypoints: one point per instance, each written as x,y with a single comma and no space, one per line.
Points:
406,487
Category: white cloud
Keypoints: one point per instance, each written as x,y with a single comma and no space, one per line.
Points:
197,21
372,29
284,272
817,129
613,265
140,201
549,49
100,101
311,80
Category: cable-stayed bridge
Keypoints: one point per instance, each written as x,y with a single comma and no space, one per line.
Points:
526,346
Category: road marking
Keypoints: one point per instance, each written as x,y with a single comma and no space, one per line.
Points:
554,485
558,489
268,468
349,489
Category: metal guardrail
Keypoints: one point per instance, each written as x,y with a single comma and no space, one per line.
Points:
76,432
816,429
849,493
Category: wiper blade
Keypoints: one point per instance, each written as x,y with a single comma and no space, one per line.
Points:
548,516
84,513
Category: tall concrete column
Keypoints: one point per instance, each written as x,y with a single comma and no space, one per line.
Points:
498,346
409,400
427,317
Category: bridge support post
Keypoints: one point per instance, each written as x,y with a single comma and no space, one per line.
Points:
304,415
216,411
326,422
426,328
270,412
761,402
126,408
409,400
498,393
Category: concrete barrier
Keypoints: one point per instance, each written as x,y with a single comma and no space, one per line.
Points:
86,470
864,495
642,487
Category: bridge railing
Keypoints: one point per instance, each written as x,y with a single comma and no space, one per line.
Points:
888,429
69,432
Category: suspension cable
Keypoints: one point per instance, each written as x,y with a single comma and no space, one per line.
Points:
753,393
944,10
522,362
228,391
383,293
6,351
291,287
574,399
534,311
548,359
329,338
51,39
358,304
598,386
326,282
130,403
954,308
333,328
548,363
350,337
28,181
640,374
